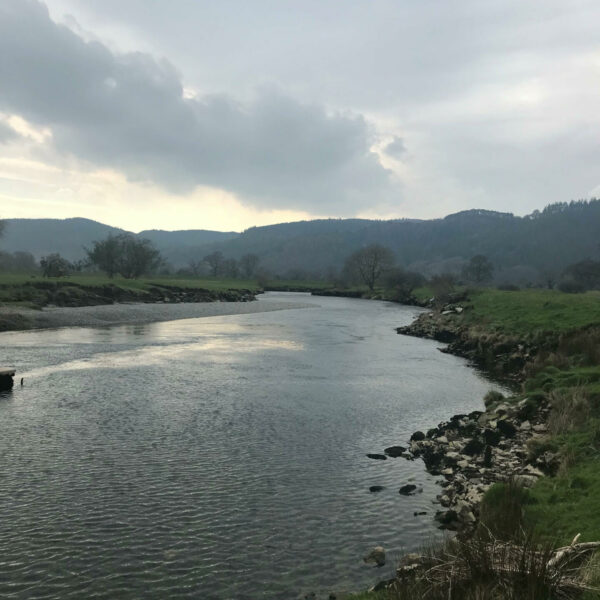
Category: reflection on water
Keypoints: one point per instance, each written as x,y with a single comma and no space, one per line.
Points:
217,458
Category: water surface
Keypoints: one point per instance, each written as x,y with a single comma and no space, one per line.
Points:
221,457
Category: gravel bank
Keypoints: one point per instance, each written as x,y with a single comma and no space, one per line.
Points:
119,314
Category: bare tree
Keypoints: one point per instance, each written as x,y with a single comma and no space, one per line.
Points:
368,264
400,283
249,264
215,262
479,269
231,268
195,267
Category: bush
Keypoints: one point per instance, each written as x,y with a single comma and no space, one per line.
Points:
571,287
492,397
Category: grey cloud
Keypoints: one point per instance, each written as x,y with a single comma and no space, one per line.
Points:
395,148
7,133
127,111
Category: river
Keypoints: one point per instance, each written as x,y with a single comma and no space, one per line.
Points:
220,457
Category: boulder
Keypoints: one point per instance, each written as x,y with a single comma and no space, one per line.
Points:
473,447
408,490
395,451
376,488
375,557
417,436
507,429
491,436
377,456
487,457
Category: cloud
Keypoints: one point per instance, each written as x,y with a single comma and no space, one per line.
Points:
7,133
128,111
395,148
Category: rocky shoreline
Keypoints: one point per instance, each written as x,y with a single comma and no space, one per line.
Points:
471,452
500,355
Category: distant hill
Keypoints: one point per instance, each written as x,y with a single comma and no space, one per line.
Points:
43,236
69,237
522,249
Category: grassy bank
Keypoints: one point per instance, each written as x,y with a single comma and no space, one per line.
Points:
32,291
558,336
533,311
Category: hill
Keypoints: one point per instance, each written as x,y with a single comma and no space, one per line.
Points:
522,249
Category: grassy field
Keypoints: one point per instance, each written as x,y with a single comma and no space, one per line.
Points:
526,311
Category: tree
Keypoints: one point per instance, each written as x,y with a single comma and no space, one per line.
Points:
585,273
400,283
106,254
138,256
124,254
479,269
215,262
196,267
249,264
231,268
442,286
368,264
54,265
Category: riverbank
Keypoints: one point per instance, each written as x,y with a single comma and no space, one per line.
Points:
18,319
526,468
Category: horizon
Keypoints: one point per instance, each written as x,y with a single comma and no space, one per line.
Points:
137,232
121,112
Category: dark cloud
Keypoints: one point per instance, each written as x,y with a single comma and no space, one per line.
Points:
395,148
128,111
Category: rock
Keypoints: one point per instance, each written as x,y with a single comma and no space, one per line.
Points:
447,471
408,489
375,557
395,451
377,456
487,457
473,447
507,429
381,585
417,436
442,439
411,559
541,428
531,470
462,464
491,437
525,426
419,513
447,518
525,480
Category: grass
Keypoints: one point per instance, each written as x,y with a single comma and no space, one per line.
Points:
528,311
96,280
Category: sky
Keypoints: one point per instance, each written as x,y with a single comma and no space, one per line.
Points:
194,114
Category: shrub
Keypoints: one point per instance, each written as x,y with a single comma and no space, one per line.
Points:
571,287
492,397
